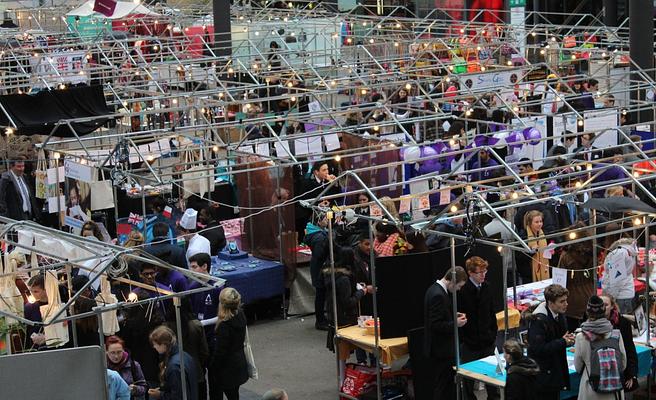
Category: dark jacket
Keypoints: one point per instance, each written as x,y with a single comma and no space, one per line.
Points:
624,327
521,379
548,348
580,283
171,253
195,344
173,280
216,235
318,243
439,342
435,241
11,202
228,366
480,331
132,374
348,297
172,385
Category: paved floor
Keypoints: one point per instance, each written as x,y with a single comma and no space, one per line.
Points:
292,355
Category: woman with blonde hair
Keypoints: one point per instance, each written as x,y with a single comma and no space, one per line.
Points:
165,344
538,267
228,368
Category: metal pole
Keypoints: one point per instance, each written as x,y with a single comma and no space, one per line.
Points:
331,255
101,335
372,270
455,312
178,324
280,246
69,285
505,298
143,209
595,261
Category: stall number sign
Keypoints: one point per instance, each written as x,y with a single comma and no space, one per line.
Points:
517,3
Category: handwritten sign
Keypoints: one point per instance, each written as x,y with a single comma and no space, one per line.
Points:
77,171
559,276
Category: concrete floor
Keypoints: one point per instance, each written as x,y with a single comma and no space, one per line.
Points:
292,355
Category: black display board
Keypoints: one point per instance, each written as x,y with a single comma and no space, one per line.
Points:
402,282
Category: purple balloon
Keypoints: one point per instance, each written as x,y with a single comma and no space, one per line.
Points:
532,135
513,140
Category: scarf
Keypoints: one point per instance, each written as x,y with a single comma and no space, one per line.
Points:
614,317
540,264
597,329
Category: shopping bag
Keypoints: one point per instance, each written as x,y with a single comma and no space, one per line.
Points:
357,379
11,300
41,176
102,194
250,361
104,299
57,333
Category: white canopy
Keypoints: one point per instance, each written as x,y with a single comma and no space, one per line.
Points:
123,9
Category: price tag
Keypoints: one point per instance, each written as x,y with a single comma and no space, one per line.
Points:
375,211
423,203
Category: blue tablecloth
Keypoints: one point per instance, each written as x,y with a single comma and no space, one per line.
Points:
489,370
253,278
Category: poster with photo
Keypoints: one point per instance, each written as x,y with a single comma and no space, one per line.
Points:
78,203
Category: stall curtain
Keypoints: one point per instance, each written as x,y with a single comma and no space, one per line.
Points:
38,113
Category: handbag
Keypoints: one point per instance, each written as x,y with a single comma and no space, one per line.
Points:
57,333
41,176
11,300
250,361
102,194
105,298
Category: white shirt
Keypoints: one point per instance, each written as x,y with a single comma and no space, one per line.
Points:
439,282
23,190
198,244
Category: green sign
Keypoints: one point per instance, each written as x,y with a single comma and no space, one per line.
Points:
517,3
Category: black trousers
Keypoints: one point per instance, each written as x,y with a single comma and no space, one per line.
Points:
320,304
216,393
444,387
468,354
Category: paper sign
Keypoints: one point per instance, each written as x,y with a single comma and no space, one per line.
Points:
314,145
246,149
445,197
77,171
404,207
282,149
263,149
164,146
332,141
421,203
52,204
559,276
73,222
301,147
52,175
375,211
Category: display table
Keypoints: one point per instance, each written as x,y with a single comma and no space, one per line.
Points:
353,337
485,370
254,279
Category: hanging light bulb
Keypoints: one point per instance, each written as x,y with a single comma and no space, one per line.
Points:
572,235
499,249
215,149
132,297
454,209
31,299
363,92
338,158
637,221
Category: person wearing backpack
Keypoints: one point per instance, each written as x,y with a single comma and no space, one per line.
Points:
599,355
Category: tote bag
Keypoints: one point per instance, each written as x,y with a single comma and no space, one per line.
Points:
197,178
56,334
11,300
106,298
41,176
250,361
102,195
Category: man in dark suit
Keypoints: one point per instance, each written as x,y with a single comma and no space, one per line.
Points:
16,198
480,333
439,331
548,339
586,151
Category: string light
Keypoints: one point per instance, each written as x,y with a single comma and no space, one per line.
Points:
637,221
215,149
338,158
572,235
454,208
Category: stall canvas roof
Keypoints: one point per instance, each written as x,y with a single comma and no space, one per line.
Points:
123,9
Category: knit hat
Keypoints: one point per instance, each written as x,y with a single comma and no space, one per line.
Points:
596,308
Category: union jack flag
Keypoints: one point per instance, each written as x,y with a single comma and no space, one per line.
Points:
134,219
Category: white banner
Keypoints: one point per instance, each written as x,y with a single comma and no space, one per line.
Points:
494,79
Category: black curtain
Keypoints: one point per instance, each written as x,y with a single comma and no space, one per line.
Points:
37,114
